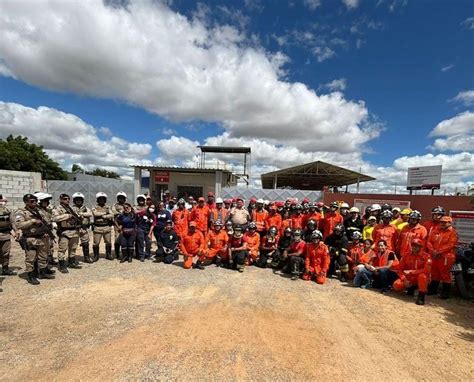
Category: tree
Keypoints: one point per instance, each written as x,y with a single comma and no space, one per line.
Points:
76,169
19,155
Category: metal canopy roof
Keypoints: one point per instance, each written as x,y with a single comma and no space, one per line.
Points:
225,149
180,169
312,176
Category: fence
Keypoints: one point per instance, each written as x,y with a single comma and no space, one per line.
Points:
270,194
15,184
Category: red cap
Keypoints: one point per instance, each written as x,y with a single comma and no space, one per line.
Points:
201,199
228,201
210,194
320,204
305,200
417,242
279,204
253,200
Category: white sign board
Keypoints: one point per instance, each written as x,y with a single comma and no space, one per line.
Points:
463,221
424,178
362,204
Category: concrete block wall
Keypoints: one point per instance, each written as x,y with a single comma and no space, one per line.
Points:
15,184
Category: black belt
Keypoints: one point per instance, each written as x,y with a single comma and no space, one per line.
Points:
102,224
3,230
68,229
34,236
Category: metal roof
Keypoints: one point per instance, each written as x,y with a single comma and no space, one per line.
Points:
225,149
180,169
313,176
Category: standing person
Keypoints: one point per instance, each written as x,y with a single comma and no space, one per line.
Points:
368,230
331,219
146,221
5,237
127,228
210,200
297,218
396,215
402,221
238,252
384,267
317,259
69,224
414,271
273,219
218,212
162,216
376,210
295,255
259,215
200,215
85,214
228,204
180,218
168,244
171,206
141,200
103,222
36,233
436,214
353,223
217,242
386,232
117,209
312,214
252,238
441,246
192,245
344,210
252,205
414,230
46,211
338,243
239,215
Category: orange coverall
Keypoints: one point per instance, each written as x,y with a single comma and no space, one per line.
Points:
430,225
200,215
253,245
274,220
219,214
180,220
440,245
316,216
420,268
388,233
192,244
316,262
331,219
356,255
297,221
407,234
217,242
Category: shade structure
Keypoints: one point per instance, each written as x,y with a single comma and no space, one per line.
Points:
312,176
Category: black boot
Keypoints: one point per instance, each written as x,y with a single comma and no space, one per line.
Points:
125,255
49,271
85,253
95,248
343,277
433,288
420,300
117,251
62,266
411,291
31,277
108,252
52,262
130,254
445,291
6,271
198,265
72,263
45,275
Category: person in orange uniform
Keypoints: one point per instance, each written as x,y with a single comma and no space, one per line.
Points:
436,214
180,218
414,270
414,230
312,214
317,259
386,232
297,217
331,219
218,212
200,215
252,238
441,245
259,215
217,241
295,255
355,253
385,266
268,247
192,245
273,219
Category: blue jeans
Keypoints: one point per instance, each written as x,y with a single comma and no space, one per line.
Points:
143,244
362,278
385,278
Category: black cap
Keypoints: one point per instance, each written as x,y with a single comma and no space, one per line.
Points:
63,196
27,197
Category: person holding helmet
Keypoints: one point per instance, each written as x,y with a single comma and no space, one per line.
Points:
69,224
118,209
414,271
141,203
273,219
180,218
6,228
368,231
441,245
386,231
402,221
268,247
200,215
168,242
284,243
252,238
35,233
353,223
414,230
192,245
218,212
85,215
103,222
331,219
436,214
338,243
316,259
238,252
295,255
217,243
259,215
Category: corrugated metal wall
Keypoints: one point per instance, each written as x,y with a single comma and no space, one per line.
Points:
268,194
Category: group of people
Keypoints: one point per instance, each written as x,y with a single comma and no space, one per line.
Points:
381,247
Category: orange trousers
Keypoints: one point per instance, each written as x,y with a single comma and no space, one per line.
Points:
421,280
188,262
313,274
441,269
208,257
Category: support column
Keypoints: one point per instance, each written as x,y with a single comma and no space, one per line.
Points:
275,181
218,185
137,179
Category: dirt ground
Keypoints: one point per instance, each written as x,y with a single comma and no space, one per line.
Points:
112,321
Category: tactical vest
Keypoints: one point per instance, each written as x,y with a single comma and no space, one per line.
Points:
5,224
100,221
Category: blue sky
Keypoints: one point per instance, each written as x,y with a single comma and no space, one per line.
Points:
384,84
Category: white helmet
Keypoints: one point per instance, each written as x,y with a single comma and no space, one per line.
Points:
219,200
354,209
266,202
77,195
375,207
138,197
260,201
101,195
42,196
344,205
121,193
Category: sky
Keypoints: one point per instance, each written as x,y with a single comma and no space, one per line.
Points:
371,85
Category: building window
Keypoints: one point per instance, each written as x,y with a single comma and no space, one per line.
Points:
186,191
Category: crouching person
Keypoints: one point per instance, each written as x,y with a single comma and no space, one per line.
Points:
414,271
218,251
167,244
238,252
317,259
192,245
295,254
268,247
283,243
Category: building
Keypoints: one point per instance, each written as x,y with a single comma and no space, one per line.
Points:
184,181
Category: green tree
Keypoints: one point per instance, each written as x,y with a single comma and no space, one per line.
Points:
76,169
19,155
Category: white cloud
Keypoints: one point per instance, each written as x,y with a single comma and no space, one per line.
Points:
462,123
322,53
351,4
468,23
465,97
336,85
460,142
312,4
68,139
447,68
176,67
